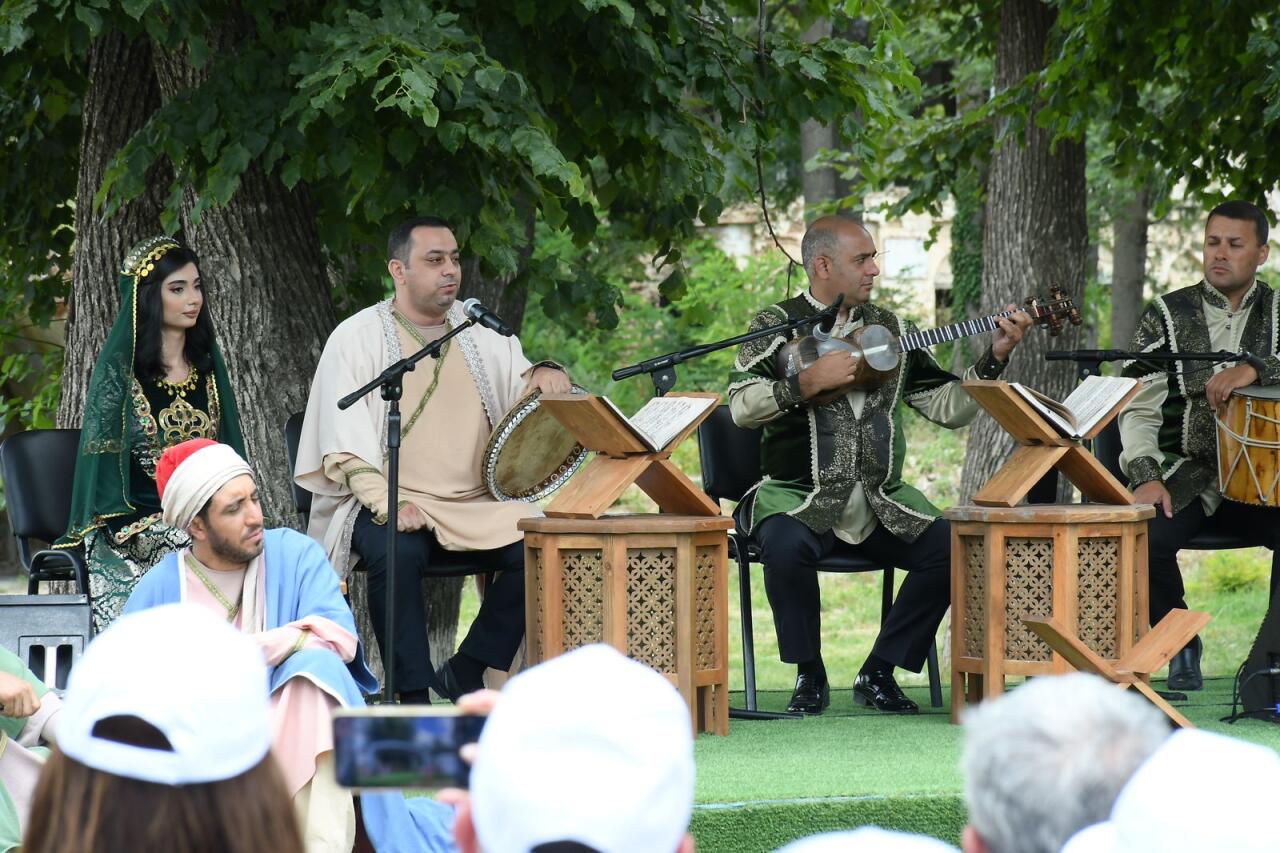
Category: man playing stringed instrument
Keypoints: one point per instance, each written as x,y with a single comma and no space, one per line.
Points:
833,470
1170,453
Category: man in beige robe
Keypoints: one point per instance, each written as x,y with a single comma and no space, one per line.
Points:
449,407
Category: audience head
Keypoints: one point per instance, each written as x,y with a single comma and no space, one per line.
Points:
588,751
868,839
1198,792
167,276
1049,758
208,490
163,744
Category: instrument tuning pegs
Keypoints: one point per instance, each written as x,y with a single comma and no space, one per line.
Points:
1075,317
1055,325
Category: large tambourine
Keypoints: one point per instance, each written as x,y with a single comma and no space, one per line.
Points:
530,454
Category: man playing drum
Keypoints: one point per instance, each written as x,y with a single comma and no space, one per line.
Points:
1168,429
450,405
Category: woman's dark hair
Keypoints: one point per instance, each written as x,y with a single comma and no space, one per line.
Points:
198,348
78,808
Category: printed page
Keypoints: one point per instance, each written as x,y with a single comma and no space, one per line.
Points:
663,418
645,438
1095,397
1058,415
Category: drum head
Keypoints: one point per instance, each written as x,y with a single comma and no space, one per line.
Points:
530,454
1259,392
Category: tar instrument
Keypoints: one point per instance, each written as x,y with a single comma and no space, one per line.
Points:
1249,446
530,454
877,351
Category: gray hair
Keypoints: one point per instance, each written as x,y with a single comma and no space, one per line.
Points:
1050,759
819,239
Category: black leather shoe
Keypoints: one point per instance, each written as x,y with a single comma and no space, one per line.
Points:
878,690
811,696
449,683
1184,668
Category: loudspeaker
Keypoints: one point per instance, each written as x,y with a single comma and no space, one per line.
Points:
1259,689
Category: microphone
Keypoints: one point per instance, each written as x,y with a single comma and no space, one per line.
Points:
482,315
822,331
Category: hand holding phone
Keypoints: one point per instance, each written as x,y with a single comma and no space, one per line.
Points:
403,746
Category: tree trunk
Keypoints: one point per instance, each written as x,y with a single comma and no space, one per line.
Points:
1036,230
122,94
816,137
495,293
1129,266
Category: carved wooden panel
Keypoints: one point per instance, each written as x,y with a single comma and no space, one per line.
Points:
533,631
707,654
1028,591
583,573
651,607
1097,604
975,590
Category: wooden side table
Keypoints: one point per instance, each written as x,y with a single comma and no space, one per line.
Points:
655,587
1082,565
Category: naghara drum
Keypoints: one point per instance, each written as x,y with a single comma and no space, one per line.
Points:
530,454
1249,446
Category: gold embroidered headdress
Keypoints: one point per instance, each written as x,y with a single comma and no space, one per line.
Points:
141,260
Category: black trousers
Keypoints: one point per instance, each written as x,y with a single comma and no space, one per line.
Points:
791,553
498,629
1257,525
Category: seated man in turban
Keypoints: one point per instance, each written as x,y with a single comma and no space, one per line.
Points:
278,586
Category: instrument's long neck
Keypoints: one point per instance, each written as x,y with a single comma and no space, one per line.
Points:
930,337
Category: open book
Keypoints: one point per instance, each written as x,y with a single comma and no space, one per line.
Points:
661,419
1091,401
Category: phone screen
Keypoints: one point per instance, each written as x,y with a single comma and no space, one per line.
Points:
403,747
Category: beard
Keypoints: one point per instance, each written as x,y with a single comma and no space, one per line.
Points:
232,551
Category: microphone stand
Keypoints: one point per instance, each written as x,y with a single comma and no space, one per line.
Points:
662,368
391,381
1090,360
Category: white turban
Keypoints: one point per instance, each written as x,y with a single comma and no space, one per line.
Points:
189,474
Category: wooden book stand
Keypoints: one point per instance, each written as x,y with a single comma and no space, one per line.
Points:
1150,654
622,459
1042,450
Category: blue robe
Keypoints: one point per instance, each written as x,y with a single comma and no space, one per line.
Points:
300,582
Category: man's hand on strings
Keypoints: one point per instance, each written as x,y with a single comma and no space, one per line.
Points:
1154,492
1218,389
1009,331
834,370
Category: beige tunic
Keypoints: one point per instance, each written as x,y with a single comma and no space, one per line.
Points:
341,457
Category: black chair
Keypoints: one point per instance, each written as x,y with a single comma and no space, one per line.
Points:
730,457
39,469
292,436
1107,447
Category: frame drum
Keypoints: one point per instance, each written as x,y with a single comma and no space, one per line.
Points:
1249,446
530,454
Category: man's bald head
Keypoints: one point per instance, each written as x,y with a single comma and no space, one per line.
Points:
822,238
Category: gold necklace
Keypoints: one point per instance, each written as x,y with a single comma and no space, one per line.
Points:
180,389
435,376
232,609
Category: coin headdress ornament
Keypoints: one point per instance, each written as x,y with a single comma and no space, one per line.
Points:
141,260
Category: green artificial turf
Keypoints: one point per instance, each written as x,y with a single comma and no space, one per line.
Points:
769,782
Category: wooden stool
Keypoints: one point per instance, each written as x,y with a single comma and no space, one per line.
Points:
655,587
1150,654
1084,566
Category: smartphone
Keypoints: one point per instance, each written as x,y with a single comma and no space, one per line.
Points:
403,746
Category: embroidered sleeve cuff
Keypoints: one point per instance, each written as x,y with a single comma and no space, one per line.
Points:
989,367
1271,374
786,392
1144,469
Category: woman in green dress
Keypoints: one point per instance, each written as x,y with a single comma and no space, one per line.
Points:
160,380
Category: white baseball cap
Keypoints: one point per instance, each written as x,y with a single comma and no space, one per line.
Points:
1184,796
589,747
868,839
200,682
